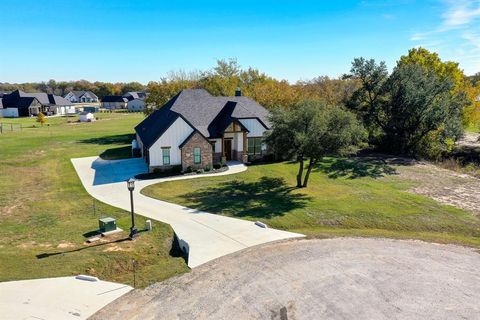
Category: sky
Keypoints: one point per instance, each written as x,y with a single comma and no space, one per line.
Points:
142,40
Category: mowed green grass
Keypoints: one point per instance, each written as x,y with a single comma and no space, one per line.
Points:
344,203
45,211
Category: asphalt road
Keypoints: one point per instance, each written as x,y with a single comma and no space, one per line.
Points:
343,278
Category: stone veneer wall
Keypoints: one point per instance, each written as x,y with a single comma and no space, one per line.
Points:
197,141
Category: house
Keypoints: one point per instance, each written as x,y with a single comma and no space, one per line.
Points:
86,117
114,102
22,104
195,130
81,96
136,101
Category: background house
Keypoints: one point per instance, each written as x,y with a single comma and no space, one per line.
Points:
81,97
136,101
195,129
114,102
22,104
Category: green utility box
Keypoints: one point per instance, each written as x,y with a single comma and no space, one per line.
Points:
107,224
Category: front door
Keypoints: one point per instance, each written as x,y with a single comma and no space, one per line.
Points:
227,149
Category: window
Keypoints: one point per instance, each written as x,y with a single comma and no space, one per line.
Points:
197,156
254,146
166,156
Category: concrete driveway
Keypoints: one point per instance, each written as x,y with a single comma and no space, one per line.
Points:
203,235
343,278
56,298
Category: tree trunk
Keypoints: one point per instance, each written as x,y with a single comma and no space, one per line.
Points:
311,164
300,171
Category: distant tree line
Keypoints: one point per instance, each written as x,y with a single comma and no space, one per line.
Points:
61,88
420,108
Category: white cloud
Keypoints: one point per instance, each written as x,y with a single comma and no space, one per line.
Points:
457,35
461,13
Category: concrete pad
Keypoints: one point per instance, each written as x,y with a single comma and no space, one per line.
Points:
206,236
56,298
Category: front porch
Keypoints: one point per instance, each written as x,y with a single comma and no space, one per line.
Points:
233,144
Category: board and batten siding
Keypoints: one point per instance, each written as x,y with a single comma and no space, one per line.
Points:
173,137
255,128
218,145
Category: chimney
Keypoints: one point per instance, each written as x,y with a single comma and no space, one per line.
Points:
238,92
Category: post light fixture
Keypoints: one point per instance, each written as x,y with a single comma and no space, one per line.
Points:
133,228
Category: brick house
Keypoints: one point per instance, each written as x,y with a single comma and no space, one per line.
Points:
195,130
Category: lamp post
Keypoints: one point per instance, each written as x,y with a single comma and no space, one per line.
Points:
131,187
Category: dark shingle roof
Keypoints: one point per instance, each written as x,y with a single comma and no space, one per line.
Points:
80,93
207,114
20,99
135,95
114,99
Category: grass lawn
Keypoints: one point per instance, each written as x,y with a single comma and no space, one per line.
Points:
343,198
45,213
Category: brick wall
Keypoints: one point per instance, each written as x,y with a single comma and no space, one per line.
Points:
197,141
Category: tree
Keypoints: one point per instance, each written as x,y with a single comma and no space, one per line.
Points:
419,103
41,118
310,131
445,70
367,99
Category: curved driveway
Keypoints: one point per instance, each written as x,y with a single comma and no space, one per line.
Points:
343,278
205,236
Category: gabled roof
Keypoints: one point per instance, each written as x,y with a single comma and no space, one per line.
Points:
114,99
135,95
20,99
207,114
80,93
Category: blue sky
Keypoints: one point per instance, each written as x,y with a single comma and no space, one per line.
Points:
142,40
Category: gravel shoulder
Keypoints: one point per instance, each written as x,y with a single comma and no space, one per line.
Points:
342,278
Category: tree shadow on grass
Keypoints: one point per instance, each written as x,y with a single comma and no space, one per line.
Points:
356,168
115,139
117,153
265,198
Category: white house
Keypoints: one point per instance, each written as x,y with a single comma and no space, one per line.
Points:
86,117
136,101
136,105
81,97
195,129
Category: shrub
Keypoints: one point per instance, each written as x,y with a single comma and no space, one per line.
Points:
189,169
200,171
208,168
177,168
217,165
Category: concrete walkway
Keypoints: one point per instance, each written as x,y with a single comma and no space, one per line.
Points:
203,235
56,298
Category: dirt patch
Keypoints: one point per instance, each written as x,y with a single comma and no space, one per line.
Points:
65,245
32,244
114,248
